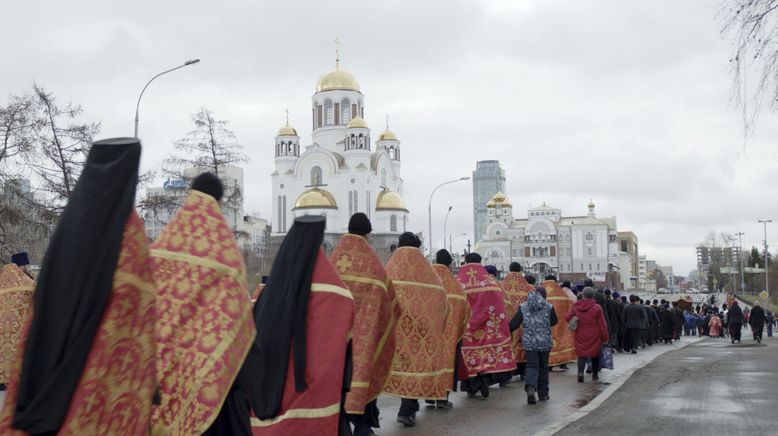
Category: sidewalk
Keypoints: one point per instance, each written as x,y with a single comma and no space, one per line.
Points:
506,411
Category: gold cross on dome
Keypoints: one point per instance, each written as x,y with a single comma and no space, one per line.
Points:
343,264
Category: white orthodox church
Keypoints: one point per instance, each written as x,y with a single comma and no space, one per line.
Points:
573,247
341,171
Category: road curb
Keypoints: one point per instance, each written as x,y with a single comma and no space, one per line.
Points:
604,395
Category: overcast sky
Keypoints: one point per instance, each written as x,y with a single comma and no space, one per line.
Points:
624,102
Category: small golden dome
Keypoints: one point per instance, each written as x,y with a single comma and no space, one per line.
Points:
387,135
491,204
499,197
315,198
591,203
388,200
287,130
506,203
357,123
337,79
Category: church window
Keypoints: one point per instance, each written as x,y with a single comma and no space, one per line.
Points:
319,113
345,109
589,251
553,251
316,176
354,109
383,177
368,204
356,202
590,267
350,203
337,114
329,119
581,267
393,223
598,267
589,236
283,222
527,252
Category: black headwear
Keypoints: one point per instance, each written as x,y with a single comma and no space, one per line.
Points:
359,224
551,277
530,279
281,314
588,283
514,267
209,183
75,284
408,239
443,257
20,259
473,258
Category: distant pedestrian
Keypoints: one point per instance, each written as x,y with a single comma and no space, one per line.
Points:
715,325
757,319
633,318
770,320
538,316
591,334
666,323
735,321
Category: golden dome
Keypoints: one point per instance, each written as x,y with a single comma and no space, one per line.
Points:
491,204
387,135
506,203
388,200
337,79
315,198
499,197
357,122
287,130
591,203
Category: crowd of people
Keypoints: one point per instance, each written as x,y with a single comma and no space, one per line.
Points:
121,335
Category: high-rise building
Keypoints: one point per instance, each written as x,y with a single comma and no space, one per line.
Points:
488,180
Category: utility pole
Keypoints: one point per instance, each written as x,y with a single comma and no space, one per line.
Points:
766,283
740,260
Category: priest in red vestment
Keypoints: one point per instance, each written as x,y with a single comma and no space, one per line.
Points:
516,290
564,339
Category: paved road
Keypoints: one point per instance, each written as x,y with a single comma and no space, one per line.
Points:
506,412
712,387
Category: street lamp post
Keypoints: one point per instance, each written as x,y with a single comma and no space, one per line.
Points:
451,239
731,270
137,106
445,222
766,283
429,209
740,261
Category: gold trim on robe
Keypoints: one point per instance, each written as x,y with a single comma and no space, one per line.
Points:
516,291
456,321
16,289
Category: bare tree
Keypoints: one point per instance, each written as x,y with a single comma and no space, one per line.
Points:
211,146
15,126
61,146
752,28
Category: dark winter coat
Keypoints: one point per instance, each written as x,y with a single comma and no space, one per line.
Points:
666,322
653,317
614,316
735,314
592,329
758,317
633,316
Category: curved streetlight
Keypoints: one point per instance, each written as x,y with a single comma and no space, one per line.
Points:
445,221
137,106
452,238
429,208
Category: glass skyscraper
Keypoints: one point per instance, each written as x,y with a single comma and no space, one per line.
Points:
488,179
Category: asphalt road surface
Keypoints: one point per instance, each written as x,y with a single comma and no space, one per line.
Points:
711,387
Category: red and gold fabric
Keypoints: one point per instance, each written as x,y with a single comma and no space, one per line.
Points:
114,394
16,289
487,344
564,339
375,317
316,410
456,321
204,323
516,291
417,370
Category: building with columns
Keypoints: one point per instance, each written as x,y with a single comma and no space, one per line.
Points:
545,242
340,171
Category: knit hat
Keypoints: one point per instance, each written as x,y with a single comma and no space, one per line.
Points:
359,224
209,183
408,239
491,269
473,258
443,257
20,259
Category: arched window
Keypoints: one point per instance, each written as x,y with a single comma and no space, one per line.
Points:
328,114
345,108
393,223
316,176
383,177
589,236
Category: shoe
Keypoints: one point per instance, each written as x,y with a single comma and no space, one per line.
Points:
505,383
470,394
484,388
563,367
588,369
543,396
634,352
580,378
407,421
531,395
444,404
595,377
430,403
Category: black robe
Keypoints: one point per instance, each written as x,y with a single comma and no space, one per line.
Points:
666,322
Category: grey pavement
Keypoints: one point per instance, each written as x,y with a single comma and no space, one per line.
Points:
712,387
506,411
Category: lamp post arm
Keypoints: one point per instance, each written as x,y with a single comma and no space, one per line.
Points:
137,105
429,211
